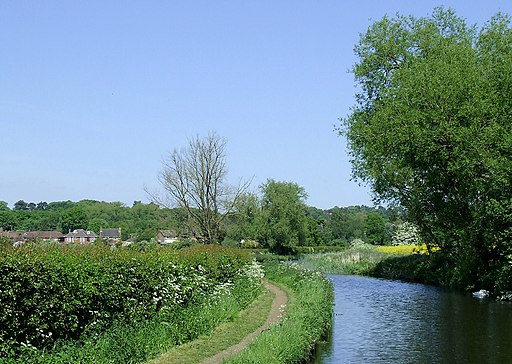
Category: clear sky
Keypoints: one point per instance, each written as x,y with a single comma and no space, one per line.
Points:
94,94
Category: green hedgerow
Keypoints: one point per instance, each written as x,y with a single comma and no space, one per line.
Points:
51,292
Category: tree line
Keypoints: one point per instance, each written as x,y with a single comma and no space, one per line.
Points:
278,219
140,221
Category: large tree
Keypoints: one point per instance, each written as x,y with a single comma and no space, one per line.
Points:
432,130
284,215
375,229
195,179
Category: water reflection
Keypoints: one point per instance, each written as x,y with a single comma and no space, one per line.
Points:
381,321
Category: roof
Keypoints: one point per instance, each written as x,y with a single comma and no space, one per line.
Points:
13,235
109,233
53,234
168,233
81,233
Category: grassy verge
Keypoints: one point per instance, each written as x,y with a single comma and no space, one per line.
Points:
224,336
308,318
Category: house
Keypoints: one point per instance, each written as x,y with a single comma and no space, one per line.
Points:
51,235
22,236
80,236
14,236
166,236
113,235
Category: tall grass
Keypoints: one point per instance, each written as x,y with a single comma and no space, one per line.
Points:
307,320
356,260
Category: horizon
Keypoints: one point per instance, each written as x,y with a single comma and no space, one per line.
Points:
11,205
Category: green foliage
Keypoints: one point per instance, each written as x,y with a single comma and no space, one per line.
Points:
135,342
8,220
141,222
375,229
52,292
20,205
414,268
284,216
96,224
431,131
245,223
342,225
313,233
73,218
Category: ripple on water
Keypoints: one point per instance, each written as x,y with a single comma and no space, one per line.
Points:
382,321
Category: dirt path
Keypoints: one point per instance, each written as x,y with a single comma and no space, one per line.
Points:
274,316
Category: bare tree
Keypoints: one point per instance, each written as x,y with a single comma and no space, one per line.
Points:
195,179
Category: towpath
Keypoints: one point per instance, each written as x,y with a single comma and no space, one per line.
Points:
189,353
274,316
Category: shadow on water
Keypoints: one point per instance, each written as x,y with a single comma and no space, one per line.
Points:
323,349
383,321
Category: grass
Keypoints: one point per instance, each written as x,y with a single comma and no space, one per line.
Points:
223,337
308,319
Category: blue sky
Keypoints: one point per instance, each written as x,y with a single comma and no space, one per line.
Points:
94,94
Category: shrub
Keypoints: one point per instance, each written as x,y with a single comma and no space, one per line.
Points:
406,233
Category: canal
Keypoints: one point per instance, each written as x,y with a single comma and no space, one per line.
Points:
383,321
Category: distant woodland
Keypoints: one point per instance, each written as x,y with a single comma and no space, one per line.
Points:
251,221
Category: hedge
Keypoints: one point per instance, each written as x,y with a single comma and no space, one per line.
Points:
57,292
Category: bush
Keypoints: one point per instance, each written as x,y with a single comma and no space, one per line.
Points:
360,244
250,244
230,242
340,242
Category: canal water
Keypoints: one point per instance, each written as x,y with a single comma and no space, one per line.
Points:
382,321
